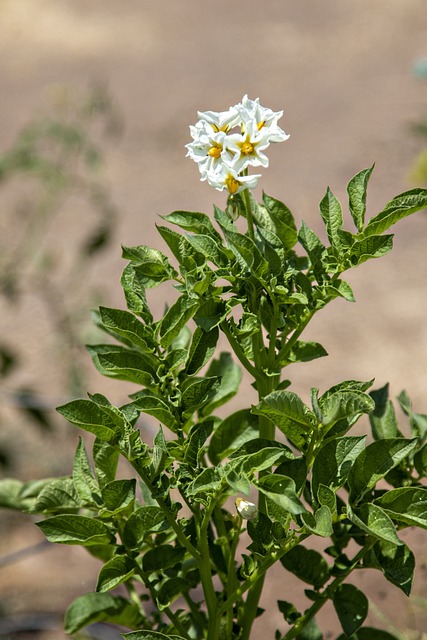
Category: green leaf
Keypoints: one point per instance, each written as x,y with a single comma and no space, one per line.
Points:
197,393
334,461
126,325
331,212
194,444
210,314
351,606
118,496
193,221
201,350
143,521
183,251
59,495
320,523
383,418
210,249
249,254
152,266
397,563
176,318
134,289
314,248
100,607
283,221
401,206
84,481
281,496
10,490
407,504
105,458
343,405
289,413
306,351
356,190
375,462
73,529
375,522
162,557
369,633
230,376
91,417
170,590
123,364
206,483
371,247
307,564
117,570
150,402
149,635
231,433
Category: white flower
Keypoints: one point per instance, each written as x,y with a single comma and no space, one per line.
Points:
248,147
220,120
228,178
247,510
251,110
209,148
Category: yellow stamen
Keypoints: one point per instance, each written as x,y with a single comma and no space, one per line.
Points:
260,125
232,184
247,148
215,152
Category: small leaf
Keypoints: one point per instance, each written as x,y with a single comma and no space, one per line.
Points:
370,247
117,570
407,504
314,248
91,417
351,606
123,364
106,459
331,212
197,393
83,478
176,318
280,492
74,529
230,375
283,221
201,350
59,495
356,190
118,495
127,326
383,418
306,351
150,263
369,633
134,289
375,462
193,221
320,523
150,402
343,405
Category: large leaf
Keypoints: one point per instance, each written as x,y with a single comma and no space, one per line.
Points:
201,350
124,364
319,523
210,249
232,432
407,504
375,462
230,375
356,190
370,247
307,564
100,607
89,416
193,221
162,557
375,522
142,522
117,570
401,206
150,402
286,410
134,289
83,478
281,496
383,419
74,529
351,606
283,221
153,267
59,495
334,461
397,563
313,246
343,405
126,325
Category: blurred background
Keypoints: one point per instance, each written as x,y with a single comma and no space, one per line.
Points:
96,100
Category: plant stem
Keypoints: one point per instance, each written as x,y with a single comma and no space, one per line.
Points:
232,578
239,351
286,348
327,594
206,576
249,215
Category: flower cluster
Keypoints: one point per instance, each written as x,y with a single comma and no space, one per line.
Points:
226,143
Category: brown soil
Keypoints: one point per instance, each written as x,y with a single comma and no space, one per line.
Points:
343,74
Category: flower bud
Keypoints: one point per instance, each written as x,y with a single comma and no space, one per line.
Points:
247,510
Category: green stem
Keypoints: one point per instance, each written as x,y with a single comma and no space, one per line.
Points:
327,594
286,348
168,515
206,576
232,578
249,215
239,351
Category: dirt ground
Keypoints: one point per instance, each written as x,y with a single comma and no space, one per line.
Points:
343,73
